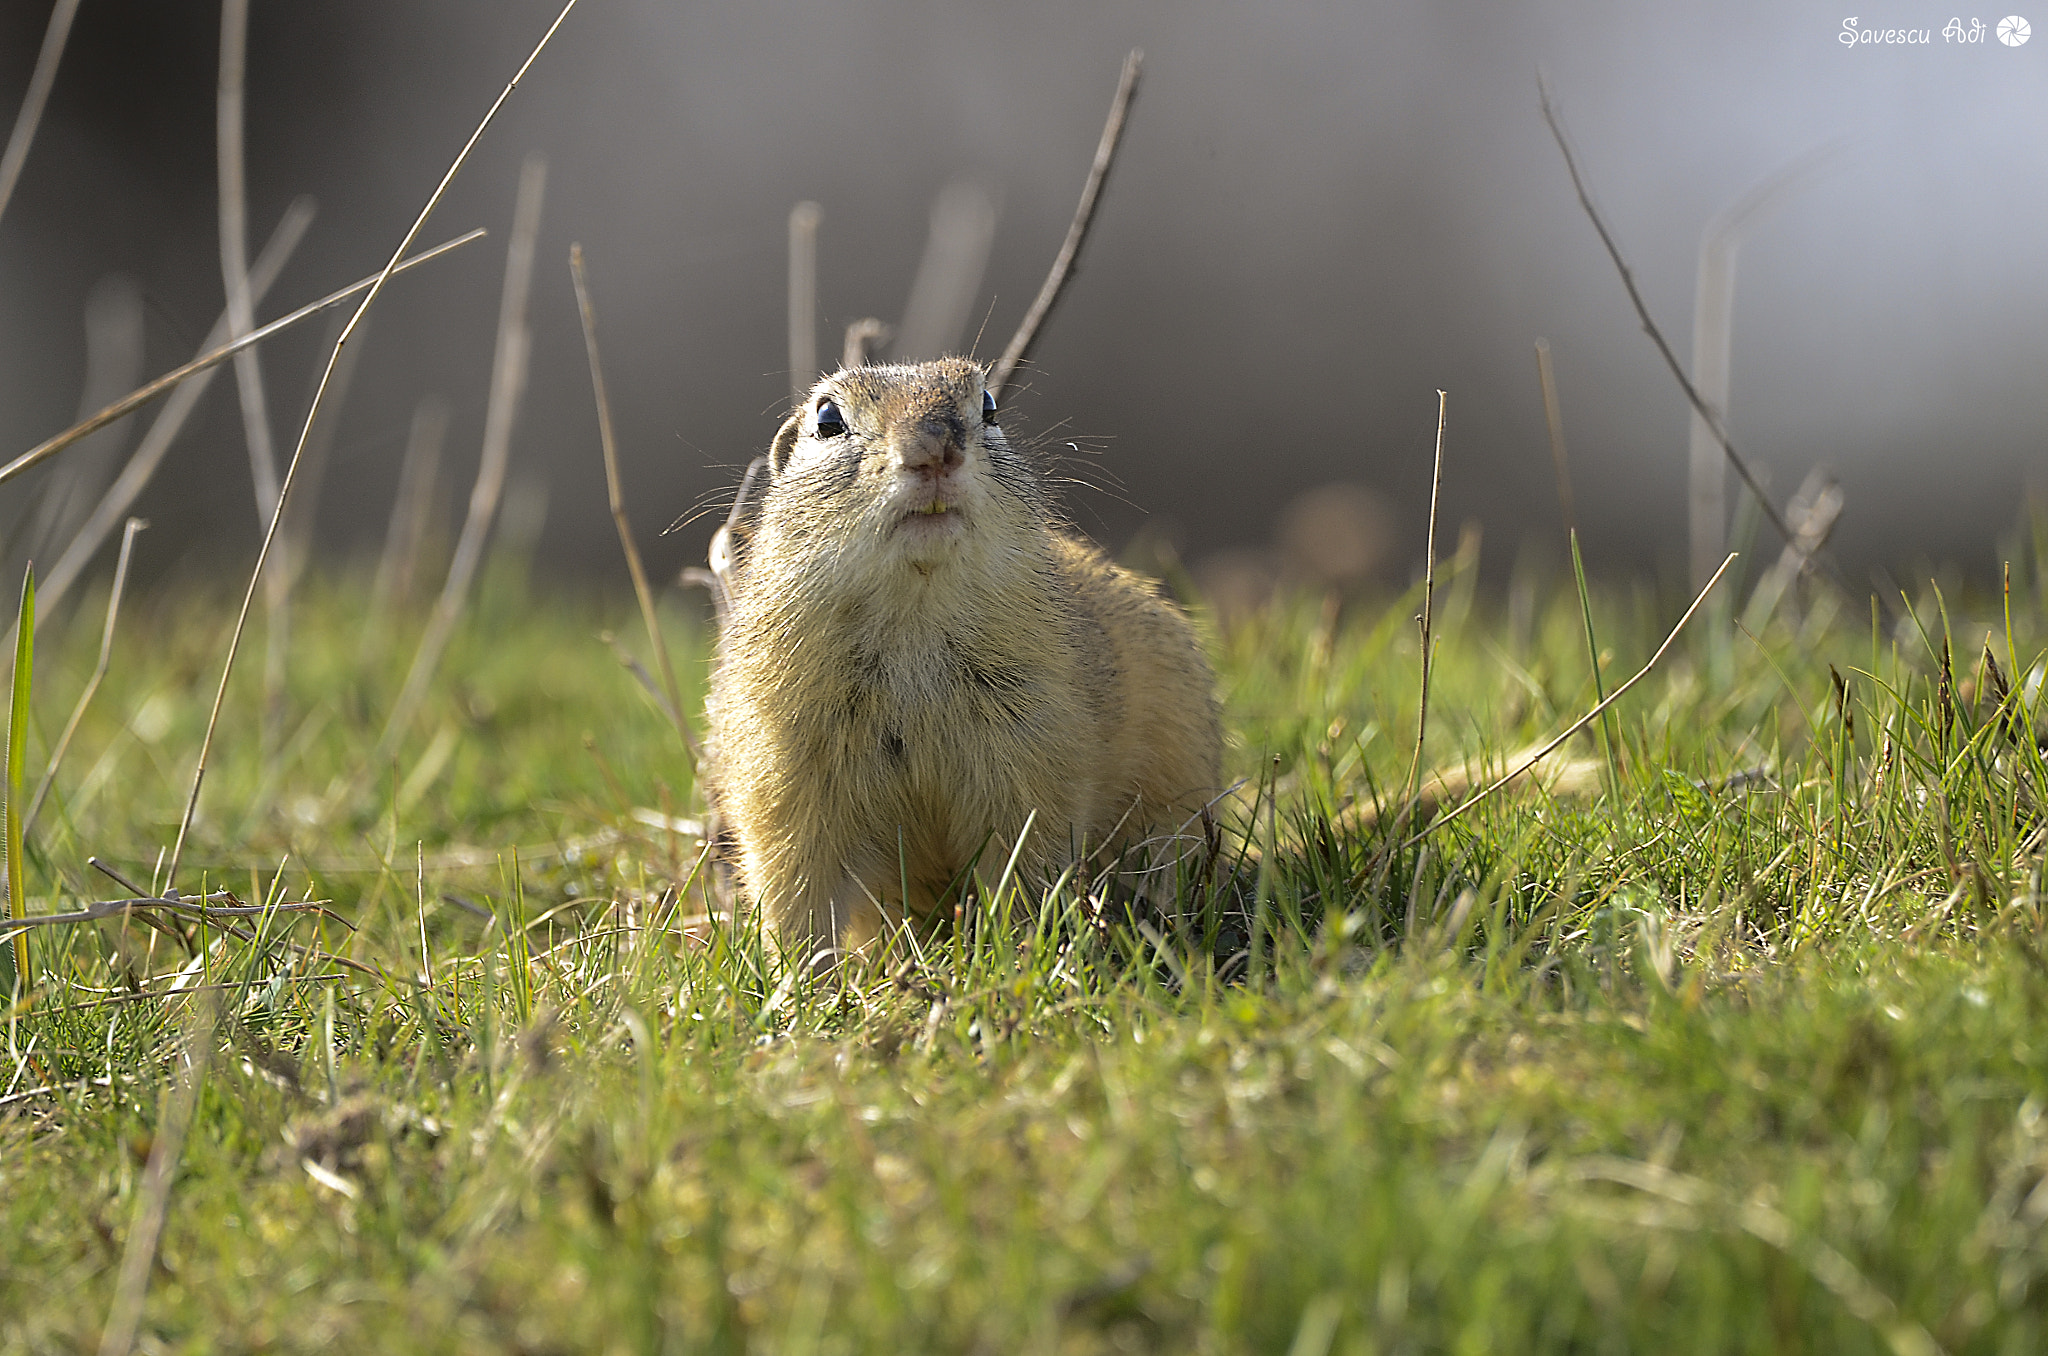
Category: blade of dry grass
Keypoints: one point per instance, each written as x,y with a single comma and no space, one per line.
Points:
313,413
142,395
55,34
1582,722
508,384
1427,620
803,297
170,421
1077,231
99,671
615,491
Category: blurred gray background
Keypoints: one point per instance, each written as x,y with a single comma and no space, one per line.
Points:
1323,212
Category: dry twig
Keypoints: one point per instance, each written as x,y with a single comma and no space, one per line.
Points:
1084,214
1635,297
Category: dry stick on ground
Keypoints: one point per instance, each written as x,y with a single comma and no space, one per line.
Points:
142,395
616,493
152,1201
1553,417
1582,722
508,383
99,672
410,508
149,453
39,82
211,910
803,297
1635,297
313,413
1084,213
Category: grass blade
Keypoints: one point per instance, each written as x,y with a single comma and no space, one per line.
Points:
17,739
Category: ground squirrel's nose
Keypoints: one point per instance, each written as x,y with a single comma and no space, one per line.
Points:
932,445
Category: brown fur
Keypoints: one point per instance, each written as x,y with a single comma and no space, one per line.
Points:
898,691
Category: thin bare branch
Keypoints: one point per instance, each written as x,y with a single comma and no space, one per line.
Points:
313,413
1628,281
99,672
55,34
214,357
1583,721
1063,264
617,494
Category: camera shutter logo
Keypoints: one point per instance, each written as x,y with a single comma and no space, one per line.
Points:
2013,30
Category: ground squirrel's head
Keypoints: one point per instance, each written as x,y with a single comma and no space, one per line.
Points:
901,465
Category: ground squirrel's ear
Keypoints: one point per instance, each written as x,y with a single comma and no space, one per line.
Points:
785,442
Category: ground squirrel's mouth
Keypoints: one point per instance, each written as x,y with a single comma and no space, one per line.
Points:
937,506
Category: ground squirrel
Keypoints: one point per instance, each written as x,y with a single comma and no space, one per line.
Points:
916,657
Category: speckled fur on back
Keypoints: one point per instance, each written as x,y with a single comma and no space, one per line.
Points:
916,658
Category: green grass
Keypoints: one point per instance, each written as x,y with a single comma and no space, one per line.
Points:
1744,1051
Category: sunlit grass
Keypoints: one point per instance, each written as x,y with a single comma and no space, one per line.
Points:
1739,1050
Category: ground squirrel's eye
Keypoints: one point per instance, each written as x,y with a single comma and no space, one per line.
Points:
831,423
988,408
